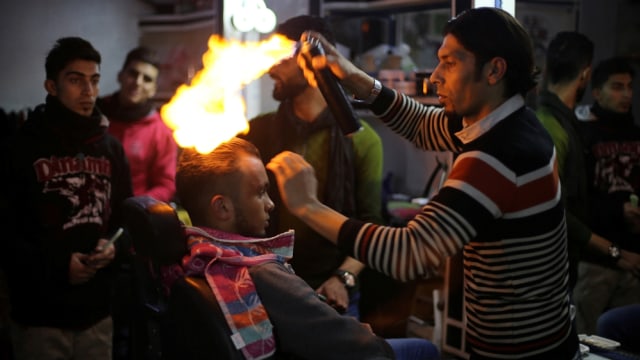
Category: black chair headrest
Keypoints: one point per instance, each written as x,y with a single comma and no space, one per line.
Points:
155,229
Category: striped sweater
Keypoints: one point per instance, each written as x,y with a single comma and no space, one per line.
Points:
501,205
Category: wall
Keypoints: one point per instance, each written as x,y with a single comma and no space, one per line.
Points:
29,28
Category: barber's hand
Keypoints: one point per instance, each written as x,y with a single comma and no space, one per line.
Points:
100,257
336,294
349,75
630,261
79,270
296,181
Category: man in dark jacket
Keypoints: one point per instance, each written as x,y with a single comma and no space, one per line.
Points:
65,181
611,143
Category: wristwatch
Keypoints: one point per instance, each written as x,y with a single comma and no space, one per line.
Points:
614,252
347,278
375,91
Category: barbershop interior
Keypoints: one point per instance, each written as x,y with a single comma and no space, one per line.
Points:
231,55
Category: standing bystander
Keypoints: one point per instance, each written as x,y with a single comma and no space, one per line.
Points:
147,140
66,180
611,141
566,77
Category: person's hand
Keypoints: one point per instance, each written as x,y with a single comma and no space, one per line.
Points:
632,217
630,261
336,294
296,180
101,257
350,76
79,270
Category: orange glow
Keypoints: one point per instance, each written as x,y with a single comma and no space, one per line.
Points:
211,109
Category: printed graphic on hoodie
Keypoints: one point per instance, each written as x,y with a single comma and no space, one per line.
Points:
617,166
84,183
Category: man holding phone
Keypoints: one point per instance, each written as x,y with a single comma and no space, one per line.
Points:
66,180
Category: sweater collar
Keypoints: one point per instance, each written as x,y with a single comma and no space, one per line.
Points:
474,131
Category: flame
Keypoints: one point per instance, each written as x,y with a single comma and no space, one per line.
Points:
211,110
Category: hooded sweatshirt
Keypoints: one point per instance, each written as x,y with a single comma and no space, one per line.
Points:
148,142
65,181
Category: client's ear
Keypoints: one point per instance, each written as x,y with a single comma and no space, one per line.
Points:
221,207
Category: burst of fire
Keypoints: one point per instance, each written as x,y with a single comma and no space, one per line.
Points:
211,109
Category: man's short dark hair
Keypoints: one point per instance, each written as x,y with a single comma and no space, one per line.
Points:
201,176
294,27
143,54
608,67
569,52
491,32
66,50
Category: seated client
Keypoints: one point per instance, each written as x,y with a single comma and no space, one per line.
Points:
225,194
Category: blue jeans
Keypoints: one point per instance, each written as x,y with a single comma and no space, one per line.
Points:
621,324
354,305
414,349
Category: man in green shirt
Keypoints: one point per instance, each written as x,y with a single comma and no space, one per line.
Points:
567,74
349,171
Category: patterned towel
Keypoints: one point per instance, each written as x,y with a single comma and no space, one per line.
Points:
224,260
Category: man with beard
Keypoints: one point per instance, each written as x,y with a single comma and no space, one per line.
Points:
612,145
566,76
349,170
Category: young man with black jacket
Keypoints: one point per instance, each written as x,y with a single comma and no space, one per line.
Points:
65,181
611,142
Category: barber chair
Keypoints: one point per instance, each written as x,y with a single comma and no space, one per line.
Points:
187,323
